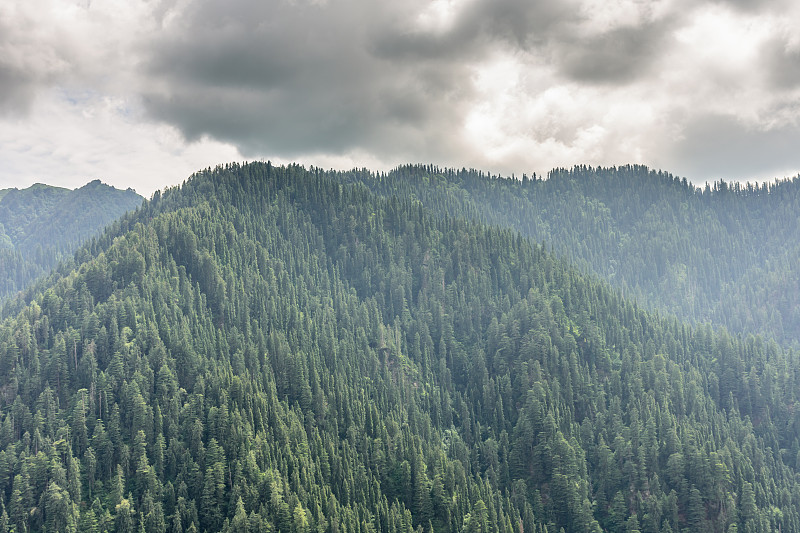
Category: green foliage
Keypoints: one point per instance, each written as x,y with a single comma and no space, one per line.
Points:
268,349
42,225
728,253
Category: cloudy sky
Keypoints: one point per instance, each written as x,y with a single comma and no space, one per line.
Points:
140,93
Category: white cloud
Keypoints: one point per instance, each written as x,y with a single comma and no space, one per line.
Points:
69,139
143,92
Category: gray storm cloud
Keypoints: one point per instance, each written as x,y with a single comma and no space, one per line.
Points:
617,56
26,63
514,84
722,147
350,74
782,60
328,77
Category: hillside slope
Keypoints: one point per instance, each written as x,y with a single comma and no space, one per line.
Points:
728,254
42,224
265,349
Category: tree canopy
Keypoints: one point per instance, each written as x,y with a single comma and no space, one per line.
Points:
269,349
726,253
43,225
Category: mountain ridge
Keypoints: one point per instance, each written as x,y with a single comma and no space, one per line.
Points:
725,253
43,224
267,349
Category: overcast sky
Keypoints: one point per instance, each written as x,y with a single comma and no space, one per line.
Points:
140,93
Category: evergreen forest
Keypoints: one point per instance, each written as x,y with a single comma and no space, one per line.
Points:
43,225
283,350
725,253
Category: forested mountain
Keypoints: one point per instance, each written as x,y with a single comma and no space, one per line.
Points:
729,254
42,224
266,349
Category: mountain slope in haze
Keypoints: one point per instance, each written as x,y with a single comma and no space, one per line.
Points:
265,349
728,254
42,224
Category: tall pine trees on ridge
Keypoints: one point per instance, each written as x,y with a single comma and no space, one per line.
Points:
726,253
265,349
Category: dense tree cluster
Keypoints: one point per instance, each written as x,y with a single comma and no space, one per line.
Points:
41,225
266,349
728,253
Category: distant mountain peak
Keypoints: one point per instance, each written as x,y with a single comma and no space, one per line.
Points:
42,224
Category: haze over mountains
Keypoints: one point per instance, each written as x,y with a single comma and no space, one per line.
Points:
727,253
279,349
42,224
